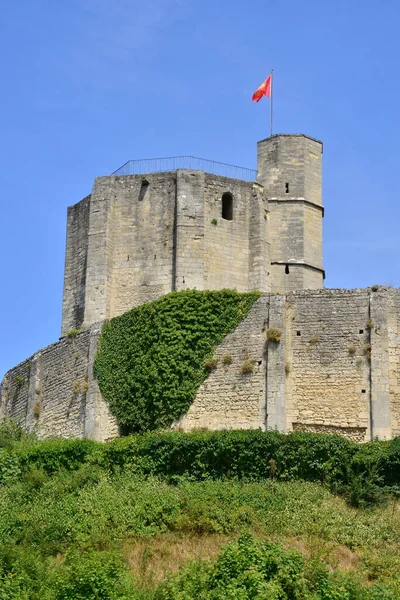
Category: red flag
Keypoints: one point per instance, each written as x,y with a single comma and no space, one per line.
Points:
263,90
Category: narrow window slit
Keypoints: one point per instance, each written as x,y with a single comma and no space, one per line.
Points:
143,189
287,269
287,188
227,206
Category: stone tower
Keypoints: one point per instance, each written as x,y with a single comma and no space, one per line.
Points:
290,171
138,237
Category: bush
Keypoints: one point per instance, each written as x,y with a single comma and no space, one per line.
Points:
53,455
151,360
12,433
91,576
9,466
364,473
249,569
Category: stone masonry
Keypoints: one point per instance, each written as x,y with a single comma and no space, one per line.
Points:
336,367
138,237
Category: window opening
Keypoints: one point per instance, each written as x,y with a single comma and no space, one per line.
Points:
227,206
143,189
287,188
287,269
361,331
298,332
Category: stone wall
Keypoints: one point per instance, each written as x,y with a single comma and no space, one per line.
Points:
75,265
328,371
231,398
54,392
394,358
290,170
139,237
336,369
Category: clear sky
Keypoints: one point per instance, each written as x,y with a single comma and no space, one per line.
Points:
89,84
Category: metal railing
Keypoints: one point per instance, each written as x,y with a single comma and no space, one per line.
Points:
172,163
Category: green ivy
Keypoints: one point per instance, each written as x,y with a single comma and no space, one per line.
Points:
151,360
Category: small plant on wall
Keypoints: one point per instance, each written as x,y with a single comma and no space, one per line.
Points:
247,367
36,409
274,334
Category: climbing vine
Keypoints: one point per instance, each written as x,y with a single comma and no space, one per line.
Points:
151,360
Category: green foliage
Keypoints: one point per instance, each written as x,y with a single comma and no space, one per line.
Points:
364,473
151,360
250,569
63,536
9,466
53,455
91,576
12,433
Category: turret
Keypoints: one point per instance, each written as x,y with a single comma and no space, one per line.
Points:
290,167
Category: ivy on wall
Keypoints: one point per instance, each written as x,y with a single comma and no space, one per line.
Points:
151,360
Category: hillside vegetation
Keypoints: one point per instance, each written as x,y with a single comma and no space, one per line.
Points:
174,516
151,360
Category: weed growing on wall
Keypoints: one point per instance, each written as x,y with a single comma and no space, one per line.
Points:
151,360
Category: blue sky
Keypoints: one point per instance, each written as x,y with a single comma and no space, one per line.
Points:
89,84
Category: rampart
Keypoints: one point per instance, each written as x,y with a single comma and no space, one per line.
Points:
335,369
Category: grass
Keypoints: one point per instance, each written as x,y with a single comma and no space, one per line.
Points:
156,528
274,334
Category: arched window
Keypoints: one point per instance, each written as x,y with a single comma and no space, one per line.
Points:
227,206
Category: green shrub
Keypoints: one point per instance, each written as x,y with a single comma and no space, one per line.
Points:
250,569
91,576
12,433
53,455
9,466
151,360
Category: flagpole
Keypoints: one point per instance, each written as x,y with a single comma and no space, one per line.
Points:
271,105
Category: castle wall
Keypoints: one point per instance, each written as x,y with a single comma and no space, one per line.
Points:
189,233
131,239
139,237
229,399
142,262
394,358
336,369
328,372
231,255
75,265
53,391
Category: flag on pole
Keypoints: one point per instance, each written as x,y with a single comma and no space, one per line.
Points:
263,90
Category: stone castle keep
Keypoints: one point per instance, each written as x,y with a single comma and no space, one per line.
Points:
138,237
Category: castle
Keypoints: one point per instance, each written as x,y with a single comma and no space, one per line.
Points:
137,237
